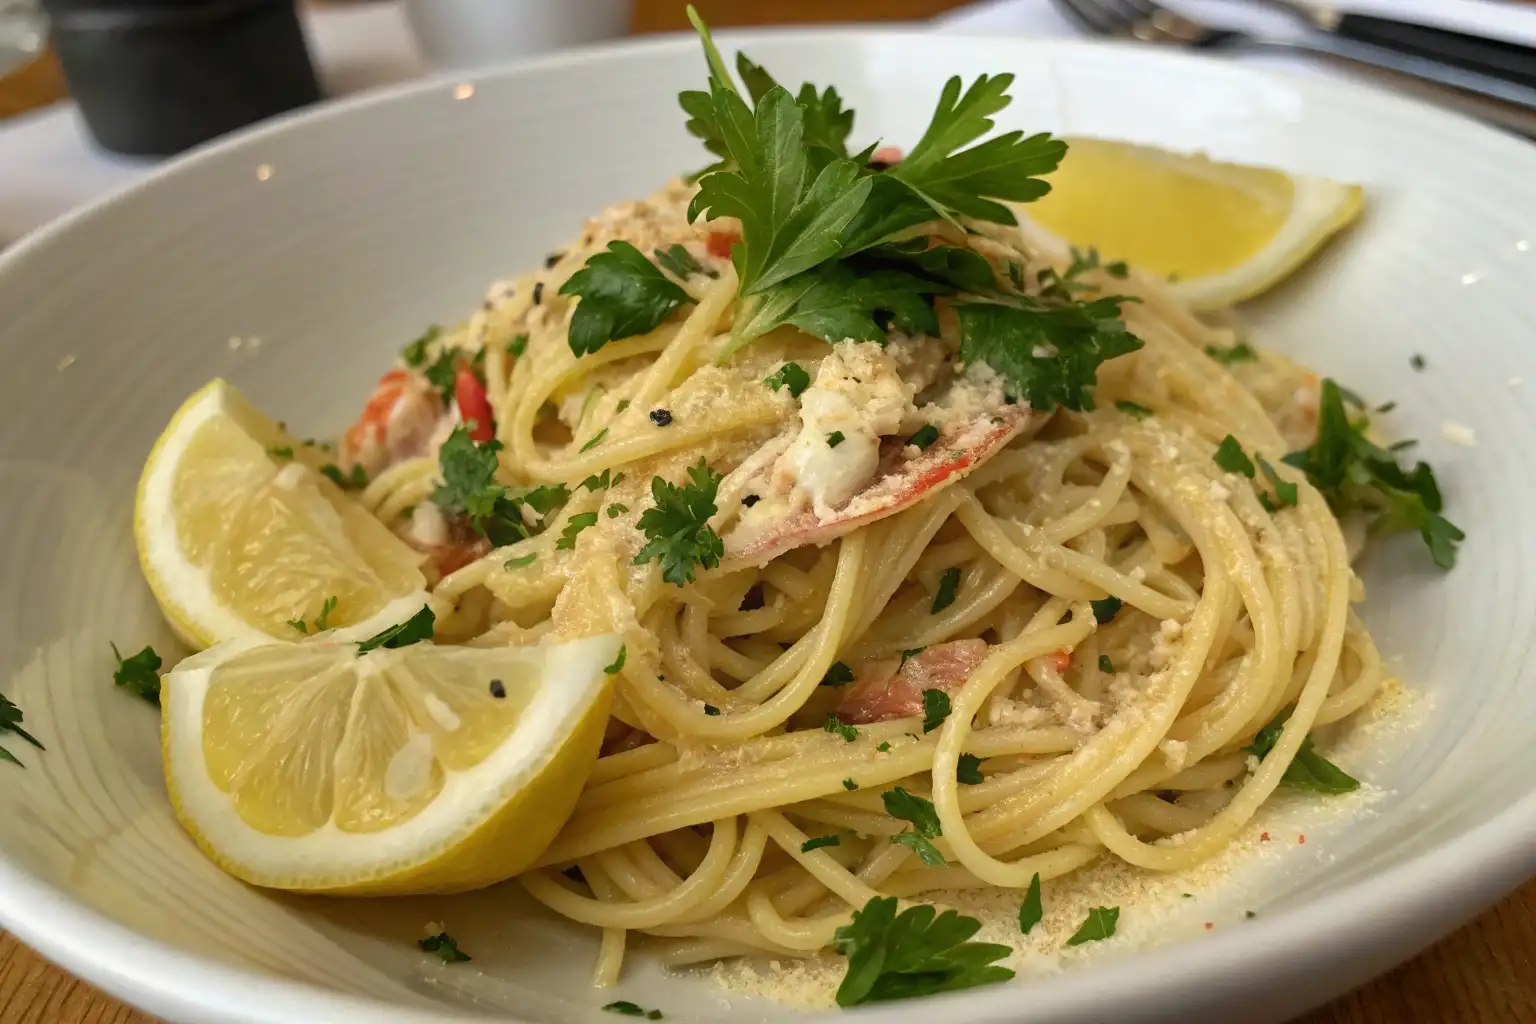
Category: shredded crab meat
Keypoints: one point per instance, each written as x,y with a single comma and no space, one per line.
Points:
401,420
893,688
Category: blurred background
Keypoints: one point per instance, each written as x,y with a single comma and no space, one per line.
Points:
94,92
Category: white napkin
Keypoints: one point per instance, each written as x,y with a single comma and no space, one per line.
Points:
48,165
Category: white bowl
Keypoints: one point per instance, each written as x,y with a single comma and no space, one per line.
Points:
298,258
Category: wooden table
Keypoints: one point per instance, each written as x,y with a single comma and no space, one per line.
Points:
1483,974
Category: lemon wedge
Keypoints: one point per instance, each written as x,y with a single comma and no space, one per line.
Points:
313,767
1221,232
238,534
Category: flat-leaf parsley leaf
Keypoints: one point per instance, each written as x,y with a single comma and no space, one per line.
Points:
918,952
677,525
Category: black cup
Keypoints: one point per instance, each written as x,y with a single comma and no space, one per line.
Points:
154,77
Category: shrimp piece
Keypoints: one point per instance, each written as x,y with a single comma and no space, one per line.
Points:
397,423
893,688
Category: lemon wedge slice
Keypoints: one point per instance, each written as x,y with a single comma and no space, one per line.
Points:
1221,232
313,767
238,534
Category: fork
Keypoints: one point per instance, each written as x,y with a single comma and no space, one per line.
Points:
1510,104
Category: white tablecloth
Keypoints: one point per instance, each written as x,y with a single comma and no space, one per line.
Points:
48,165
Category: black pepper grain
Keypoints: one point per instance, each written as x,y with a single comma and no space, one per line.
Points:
661,417
552,259
538,293
497,690
750,500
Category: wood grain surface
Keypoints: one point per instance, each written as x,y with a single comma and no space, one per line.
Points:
1485,973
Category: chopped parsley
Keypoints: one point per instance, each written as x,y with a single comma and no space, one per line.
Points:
884,747
790,375
617,509
517,346
711,710
1106,609
968,771
281,451
1105,665
618,661
1417,362
918,952
415,353
629,1009
1031,911
1308,770
925,436
595,440
602,481
138,674
622,294
850,785
819,842
1099,924
1242,352
838,675
840,727
1067,285
1358,476
949,587
1049,356
355,479
677,259
1286,494
573,526
834,439
935,709
925,824
469,488
443,374
414,630
445,946
1231,457
1135,409
12,716
677,529
322,621
908,654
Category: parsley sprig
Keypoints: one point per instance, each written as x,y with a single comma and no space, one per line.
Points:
470,488
1358,476
918,952
1308,770
11,718
622,294
139,674
676,526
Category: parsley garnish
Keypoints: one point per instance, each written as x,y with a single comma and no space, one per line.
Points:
1136,409
908,654
622,294
1100,924
968,771
935,709
925,436
1308,770
354,480
838,675
139,674
1031,911
677,525
413,630
1417,362
321,621
618,661
595,440
1356,475
1106,609
1105,665
918,952
925,824
1067,286
521,561
840,727
949,586
850,785
281,451
818,842
1050,356
517,346
617,509
601,482
415,353
711,710
443,374
1286,493
1231,457
469,487
680,262
445,946
790,375
11,718
573,526
629,1009
1242,352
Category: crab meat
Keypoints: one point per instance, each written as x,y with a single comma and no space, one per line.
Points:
904,477
398,423
893,688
